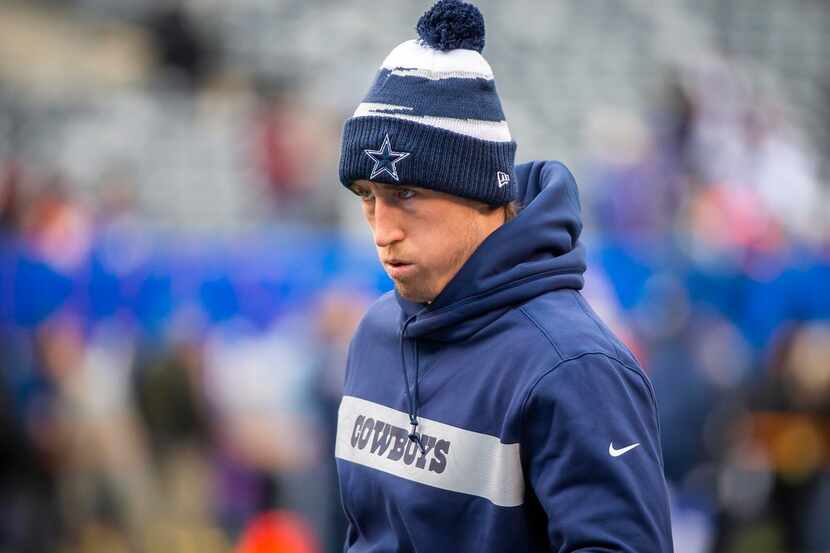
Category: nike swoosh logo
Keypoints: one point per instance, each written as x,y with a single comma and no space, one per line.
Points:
617,452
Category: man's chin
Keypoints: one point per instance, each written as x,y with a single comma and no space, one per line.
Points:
413,294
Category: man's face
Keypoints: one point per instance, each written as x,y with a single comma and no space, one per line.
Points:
423,237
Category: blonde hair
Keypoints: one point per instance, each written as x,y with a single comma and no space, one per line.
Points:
511,210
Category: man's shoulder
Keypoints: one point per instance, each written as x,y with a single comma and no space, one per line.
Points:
381,317
565,320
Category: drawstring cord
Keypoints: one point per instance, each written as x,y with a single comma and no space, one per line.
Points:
413,405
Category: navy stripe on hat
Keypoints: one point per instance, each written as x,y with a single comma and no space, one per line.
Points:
461,98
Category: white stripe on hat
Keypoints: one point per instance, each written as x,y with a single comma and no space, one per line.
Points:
494,131
439,75
411,54
367,108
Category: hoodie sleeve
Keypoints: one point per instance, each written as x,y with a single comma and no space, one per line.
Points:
593,459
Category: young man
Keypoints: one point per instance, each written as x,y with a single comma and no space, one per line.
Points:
486,407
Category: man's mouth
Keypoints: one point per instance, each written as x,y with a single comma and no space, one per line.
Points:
397,268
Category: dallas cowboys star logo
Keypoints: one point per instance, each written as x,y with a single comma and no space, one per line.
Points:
385,159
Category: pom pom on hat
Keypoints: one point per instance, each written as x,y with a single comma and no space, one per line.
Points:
452,24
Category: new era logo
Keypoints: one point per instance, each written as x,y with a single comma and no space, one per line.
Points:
503,178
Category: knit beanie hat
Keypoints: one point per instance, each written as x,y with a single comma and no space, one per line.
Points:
433,118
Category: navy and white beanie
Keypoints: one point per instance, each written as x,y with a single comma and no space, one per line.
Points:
433,118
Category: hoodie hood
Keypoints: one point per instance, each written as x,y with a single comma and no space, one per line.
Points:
537,252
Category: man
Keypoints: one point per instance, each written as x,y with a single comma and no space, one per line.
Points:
486,407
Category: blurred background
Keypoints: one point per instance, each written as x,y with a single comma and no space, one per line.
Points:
181,272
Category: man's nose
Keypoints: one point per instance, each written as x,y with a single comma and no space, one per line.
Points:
387,224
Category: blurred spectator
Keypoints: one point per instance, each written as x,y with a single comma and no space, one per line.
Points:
169,399
634,189
182,52
278,532
675,119
338,313
789,427
257,387
58,227
284,148
30,518
10,197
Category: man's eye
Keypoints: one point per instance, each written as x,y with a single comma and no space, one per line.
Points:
364,195
405,193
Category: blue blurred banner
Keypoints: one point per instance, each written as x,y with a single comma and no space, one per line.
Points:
149,278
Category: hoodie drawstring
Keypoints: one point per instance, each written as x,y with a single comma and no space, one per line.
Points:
413,404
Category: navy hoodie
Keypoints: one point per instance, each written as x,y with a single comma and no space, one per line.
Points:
525,408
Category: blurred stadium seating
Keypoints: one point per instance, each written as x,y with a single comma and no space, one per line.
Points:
180,271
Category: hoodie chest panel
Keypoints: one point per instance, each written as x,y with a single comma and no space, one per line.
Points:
473,386
453,459
461,421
